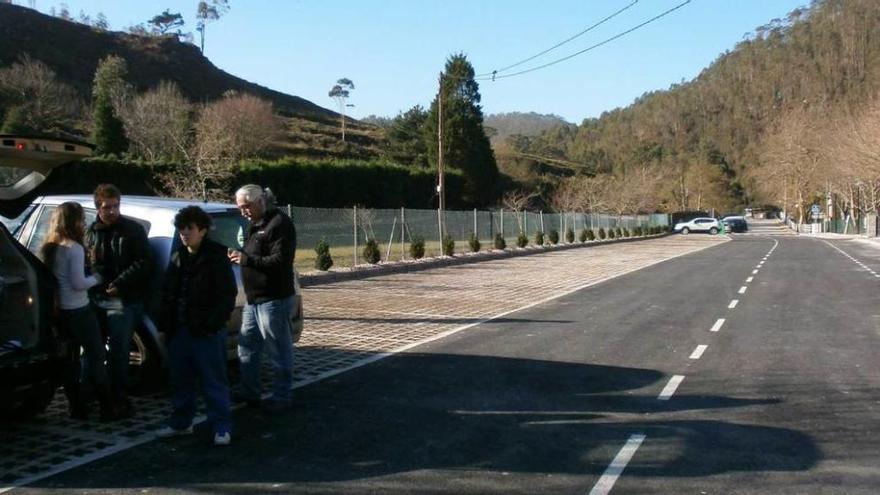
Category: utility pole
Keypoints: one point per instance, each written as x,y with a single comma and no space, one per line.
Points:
441,189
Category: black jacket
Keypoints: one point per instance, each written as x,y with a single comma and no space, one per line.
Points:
267,258
127,266
210,293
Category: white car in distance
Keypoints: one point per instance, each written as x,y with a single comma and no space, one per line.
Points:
701,224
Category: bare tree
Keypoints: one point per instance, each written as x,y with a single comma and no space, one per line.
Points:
226,131
35,100
158,124
518,200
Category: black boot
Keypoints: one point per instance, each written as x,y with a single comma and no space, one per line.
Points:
109,409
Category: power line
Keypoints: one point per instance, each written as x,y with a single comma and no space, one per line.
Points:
560,43
597,45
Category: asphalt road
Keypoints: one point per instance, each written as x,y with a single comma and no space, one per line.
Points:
782,399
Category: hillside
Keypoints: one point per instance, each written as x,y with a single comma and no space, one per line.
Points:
73,51
727,137
522,123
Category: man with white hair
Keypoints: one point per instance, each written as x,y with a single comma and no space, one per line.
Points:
266,260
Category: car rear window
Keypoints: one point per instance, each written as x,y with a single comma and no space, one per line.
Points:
229,228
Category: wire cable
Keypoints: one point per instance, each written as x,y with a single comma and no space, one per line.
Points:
597,45
585,31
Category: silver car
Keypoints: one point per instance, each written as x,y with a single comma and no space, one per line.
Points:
156,215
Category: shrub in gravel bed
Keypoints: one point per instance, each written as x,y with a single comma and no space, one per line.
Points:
612,234
569,235
602,234
619,233
539,238
371,252
522,240
500,243
583,236
474,243
626,233
417,248
448,245
553,236
591,236
323,261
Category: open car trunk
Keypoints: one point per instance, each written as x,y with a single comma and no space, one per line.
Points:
26,286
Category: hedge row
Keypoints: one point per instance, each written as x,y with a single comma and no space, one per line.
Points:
320,184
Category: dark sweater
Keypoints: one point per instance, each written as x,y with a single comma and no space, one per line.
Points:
204,303
267,258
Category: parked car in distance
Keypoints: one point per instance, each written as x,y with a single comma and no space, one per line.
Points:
700,224
735,224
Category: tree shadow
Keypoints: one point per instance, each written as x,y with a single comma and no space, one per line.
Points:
414,413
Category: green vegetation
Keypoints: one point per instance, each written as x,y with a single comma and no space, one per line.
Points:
474,242
417,248
448,245
553,236
499,242
371,252
539,238
323,260
522,240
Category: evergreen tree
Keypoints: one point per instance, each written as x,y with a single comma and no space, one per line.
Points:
465,144
108,89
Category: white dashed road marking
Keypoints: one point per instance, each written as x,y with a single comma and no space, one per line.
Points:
670,387
733,304
615,469
717,325
698,352
742,290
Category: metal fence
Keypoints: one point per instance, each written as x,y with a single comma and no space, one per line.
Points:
347,230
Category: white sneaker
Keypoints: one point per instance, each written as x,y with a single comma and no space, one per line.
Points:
169,432
222,438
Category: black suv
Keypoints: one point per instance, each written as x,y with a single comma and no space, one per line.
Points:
30,351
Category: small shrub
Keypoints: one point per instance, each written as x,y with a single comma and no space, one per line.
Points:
448,245
522,240
323,262
583,236
371,252
591,236
569,235
553,237
601,234
474,243
626,233
637,232
612,234
417,248
539,238
619,232
500,243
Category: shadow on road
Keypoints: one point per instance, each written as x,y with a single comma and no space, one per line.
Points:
413,414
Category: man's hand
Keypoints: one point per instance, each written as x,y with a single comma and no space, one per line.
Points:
112,291
234,256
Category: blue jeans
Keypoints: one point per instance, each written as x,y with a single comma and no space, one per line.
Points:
267,322
202,358
121,322
81,326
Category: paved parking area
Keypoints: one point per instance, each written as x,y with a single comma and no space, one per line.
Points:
349,324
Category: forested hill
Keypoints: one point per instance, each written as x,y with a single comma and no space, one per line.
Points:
526,124
721,138
73,51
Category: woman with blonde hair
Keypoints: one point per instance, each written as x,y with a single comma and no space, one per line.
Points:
64,254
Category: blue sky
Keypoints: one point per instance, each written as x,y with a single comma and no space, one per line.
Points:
393,50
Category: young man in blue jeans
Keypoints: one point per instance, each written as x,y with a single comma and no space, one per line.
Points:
198,297
266,260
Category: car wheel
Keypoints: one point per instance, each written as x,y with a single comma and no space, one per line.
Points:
685,231
713,231
144,362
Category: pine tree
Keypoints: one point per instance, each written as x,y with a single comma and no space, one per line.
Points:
109,87
465,144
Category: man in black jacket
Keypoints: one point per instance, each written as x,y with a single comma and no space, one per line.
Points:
266,261
119,252
198,296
